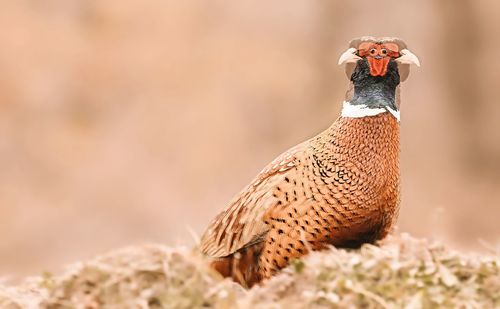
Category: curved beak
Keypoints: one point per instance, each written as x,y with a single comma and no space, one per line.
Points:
349,56
407,57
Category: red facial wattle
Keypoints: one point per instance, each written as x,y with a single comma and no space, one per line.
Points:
378,56
378,66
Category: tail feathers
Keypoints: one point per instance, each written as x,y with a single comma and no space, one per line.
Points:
242,266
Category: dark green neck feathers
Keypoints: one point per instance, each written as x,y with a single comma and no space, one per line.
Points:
375,91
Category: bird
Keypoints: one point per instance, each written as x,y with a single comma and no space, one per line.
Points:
340,188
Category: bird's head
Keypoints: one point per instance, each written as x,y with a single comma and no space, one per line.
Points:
375,67
377,53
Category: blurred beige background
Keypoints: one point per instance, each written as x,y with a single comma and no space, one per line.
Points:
124,122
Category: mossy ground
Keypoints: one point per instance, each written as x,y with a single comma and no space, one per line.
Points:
403,272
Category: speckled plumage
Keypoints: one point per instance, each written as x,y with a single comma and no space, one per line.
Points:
339,188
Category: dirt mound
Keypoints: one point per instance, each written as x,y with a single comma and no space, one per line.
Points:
403,272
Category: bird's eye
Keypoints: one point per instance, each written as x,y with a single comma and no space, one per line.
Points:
383,51
373,51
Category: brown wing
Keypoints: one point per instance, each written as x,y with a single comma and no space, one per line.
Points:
240,224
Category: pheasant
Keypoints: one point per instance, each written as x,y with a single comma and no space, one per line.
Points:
338,188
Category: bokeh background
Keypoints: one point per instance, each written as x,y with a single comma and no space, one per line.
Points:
124,122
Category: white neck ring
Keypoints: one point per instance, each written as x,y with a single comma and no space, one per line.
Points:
359,111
